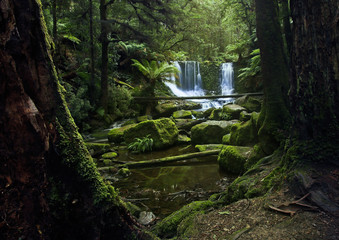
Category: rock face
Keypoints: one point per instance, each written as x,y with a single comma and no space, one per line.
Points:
116,135
211,131
250,103
182,114
232,110
233,158
163,132
245,134
187,124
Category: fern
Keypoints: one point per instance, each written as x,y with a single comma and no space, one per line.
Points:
141,144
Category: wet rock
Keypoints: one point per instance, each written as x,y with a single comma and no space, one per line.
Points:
186,124
145,218
233,158
124,172
251,104
182,114
244,116
116,135
109,155
245,134
211,131
163,132
207,147
97,149
232,111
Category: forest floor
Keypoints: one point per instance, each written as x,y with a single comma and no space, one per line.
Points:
292,217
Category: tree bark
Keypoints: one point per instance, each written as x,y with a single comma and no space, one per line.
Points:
274,116
314,92
50,188
104,55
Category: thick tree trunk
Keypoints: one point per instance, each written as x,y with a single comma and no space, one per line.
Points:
314,92
274,116
104,55
50,188
286,25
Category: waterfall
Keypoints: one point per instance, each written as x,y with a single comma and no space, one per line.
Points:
226,78
190,83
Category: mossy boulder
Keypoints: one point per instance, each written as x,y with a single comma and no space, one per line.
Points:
226,139
244,116
163,132
215,114
233,158
97,149
245,134
168,227
109,155
183,139
143,118
182,114
116,135
252,104
207,147
186,124
166,109
232,111
210,131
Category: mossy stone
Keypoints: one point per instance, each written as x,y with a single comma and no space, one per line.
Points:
109,155
245,134
215,114
252,104
207,147
143,118
233,158
232,110
97,149
182,114
124,172
163,132
166,109
226,139
107,162
210,131
116,135
245,116
186,124
168,226
183,139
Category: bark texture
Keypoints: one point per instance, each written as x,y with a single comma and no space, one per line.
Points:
50,188
315,79
274,116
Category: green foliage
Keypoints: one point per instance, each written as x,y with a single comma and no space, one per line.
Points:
120,101
247,75
78,105
141,144
153,70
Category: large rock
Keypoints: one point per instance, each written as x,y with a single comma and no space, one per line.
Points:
233,158
252,104
246,133
116,135
232,111
186,114
166,109
163,132
210,131
187,124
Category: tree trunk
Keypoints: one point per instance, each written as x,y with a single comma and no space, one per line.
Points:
91,35
50,188
274,115
314,92
104,55
286,25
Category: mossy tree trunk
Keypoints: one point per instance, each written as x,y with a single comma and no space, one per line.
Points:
50,188
314,92
274,116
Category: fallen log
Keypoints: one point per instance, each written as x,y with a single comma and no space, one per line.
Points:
162,161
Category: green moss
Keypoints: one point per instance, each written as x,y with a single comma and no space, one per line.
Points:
107,162
226,139
97,149
245,134
168,226
232,110
207,147
182,114
109,155
244,116
163,132
116,135
215,114
143,118
187,227
124,172
233,158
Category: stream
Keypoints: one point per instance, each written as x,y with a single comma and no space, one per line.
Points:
163,190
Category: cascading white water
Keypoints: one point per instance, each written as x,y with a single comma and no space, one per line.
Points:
226,78
190,83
